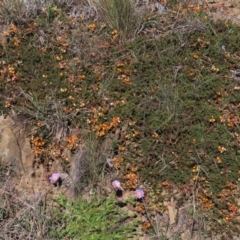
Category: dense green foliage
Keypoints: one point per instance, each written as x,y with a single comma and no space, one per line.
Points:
95,219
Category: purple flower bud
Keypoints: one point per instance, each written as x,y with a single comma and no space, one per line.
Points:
116,185
120,199
54,178
139,193
36,196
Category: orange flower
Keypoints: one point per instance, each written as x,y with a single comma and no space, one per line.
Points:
13,29
222,149
195,178
126,80
127,136
132,180
230,185
134,169
67,110
120,64
121,148
40,124
71,97
11,71
37,152
212,120
59,58
233,208
119,70
215,69
82,77
197,8
82,104
195,169
16,42
117,161
166,184
115,121
72,142
92,27
43,49
135,133
139,209
190,73
58,152
145,226
208,205
103,128
204,199
131,176
72,139
132,123
7,104
154,135
195,56
38,142
114,34
153,89
221,119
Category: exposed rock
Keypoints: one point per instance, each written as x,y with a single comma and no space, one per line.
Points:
15,149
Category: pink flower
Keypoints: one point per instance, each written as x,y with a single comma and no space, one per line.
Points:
120,199
36,196
139,193
54,178
116,185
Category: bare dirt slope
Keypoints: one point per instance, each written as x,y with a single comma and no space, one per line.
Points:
228,10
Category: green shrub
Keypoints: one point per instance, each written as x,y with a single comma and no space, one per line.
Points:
95,219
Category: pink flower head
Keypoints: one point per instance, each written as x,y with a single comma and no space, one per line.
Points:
54,178
116,185
139,193
36,196
120,199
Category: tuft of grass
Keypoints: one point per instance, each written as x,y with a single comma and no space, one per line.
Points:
89,163
119,14
24,216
